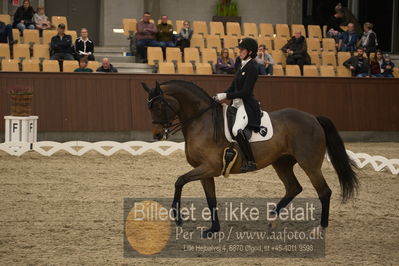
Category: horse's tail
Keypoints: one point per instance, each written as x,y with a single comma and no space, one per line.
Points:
339,159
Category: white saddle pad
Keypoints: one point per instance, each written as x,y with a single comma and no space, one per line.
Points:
265,122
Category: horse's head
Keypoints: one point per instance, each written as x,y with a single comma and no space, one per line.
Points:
164,110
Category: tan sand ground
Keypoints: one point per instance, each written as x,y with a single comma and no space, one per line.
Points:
68,210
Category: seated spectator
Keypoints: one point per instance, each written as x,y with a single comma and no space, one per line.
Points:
107,67
368,41
41,20
23,17
296,49
359,64
265,61
84,46
165,33
349,39
184,38
376,63
6,34
334,26
225,64
61,45
387,67
145,36
83,62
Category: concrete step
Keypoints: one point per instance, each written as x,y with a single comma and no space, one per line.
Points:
134,71
111,49
116,58
132,65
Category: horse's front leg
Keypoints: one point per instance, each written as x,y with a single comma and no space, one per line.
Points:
198,173
209,187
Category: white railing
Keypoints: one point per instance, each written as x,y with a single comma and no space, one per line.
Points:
108,148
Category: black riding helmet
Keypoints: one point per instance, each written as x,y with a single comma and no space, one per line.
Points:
249,44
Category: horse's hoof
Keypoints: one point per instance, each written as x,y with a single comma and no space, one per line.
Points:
273,222
209,233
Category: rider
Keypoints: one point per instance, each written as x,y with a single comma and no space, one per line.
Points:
241,94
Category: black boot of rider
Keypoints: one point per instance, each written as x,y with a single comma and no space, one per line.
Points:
245,147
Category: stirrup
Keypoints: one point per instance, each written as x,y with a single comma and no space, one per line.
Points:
248,166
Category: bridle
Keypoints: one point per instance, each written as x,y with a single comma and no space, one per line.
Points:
169,127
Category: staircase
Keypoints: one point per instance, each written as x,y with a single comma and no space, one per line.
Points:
118,58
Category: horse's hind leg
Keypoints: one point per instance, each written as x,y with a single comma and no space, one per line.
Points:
284,167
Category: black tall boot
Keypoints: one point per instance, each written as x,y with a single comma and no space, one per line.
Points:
245,147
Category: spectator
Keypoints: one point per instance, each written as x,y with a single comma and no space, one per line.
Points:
349,39
387,67
107,67
265,61
334,26
296,49
6,33
84,46
83,62
184,38
376,63
368,41
41,20
225,64
23,17
145,36
165,33
359,65
61,45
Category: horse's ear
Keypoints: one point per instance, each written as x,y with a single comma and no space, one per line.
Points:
145,87
158,88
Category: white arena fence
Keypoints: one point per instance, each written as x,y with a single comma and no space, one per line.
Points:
108,148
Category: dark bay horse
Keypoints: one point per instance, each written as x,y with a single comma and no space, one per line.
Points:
298,137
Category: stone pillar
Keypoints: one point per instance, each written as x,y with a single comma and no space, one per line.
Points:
294,12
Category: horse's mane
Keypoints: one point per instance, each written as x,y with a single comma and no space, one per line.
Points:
216,107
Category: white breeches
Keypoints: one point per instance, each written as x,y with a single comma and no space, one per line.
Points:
241,116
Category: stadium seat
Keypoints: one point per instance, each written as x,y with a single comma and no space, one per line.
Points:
200,27
300,27
327,71
166,68
282,31
213,41
329,45
41,51
21,51
4,51
93,65
278,70
129,25
173,54
57,20
230,42
310,71
266,41
185,68
313,45
5,18
47,35
16,34
203,69
51,66
197,41
31,65
292,71
343,72
342,57
217,28
70,66
266,30
279,43
209,55
179,25
324,31
191,55
233,29
10,65
154,55
328,58
396,72
251,30
278,57
73,34
315,58
31,36
232,53
314,31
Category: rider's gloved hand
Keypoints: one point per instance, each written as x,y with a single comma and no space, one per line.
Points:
220,96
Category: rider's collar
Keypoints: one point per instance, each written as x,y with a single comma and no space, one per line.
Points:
244,62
